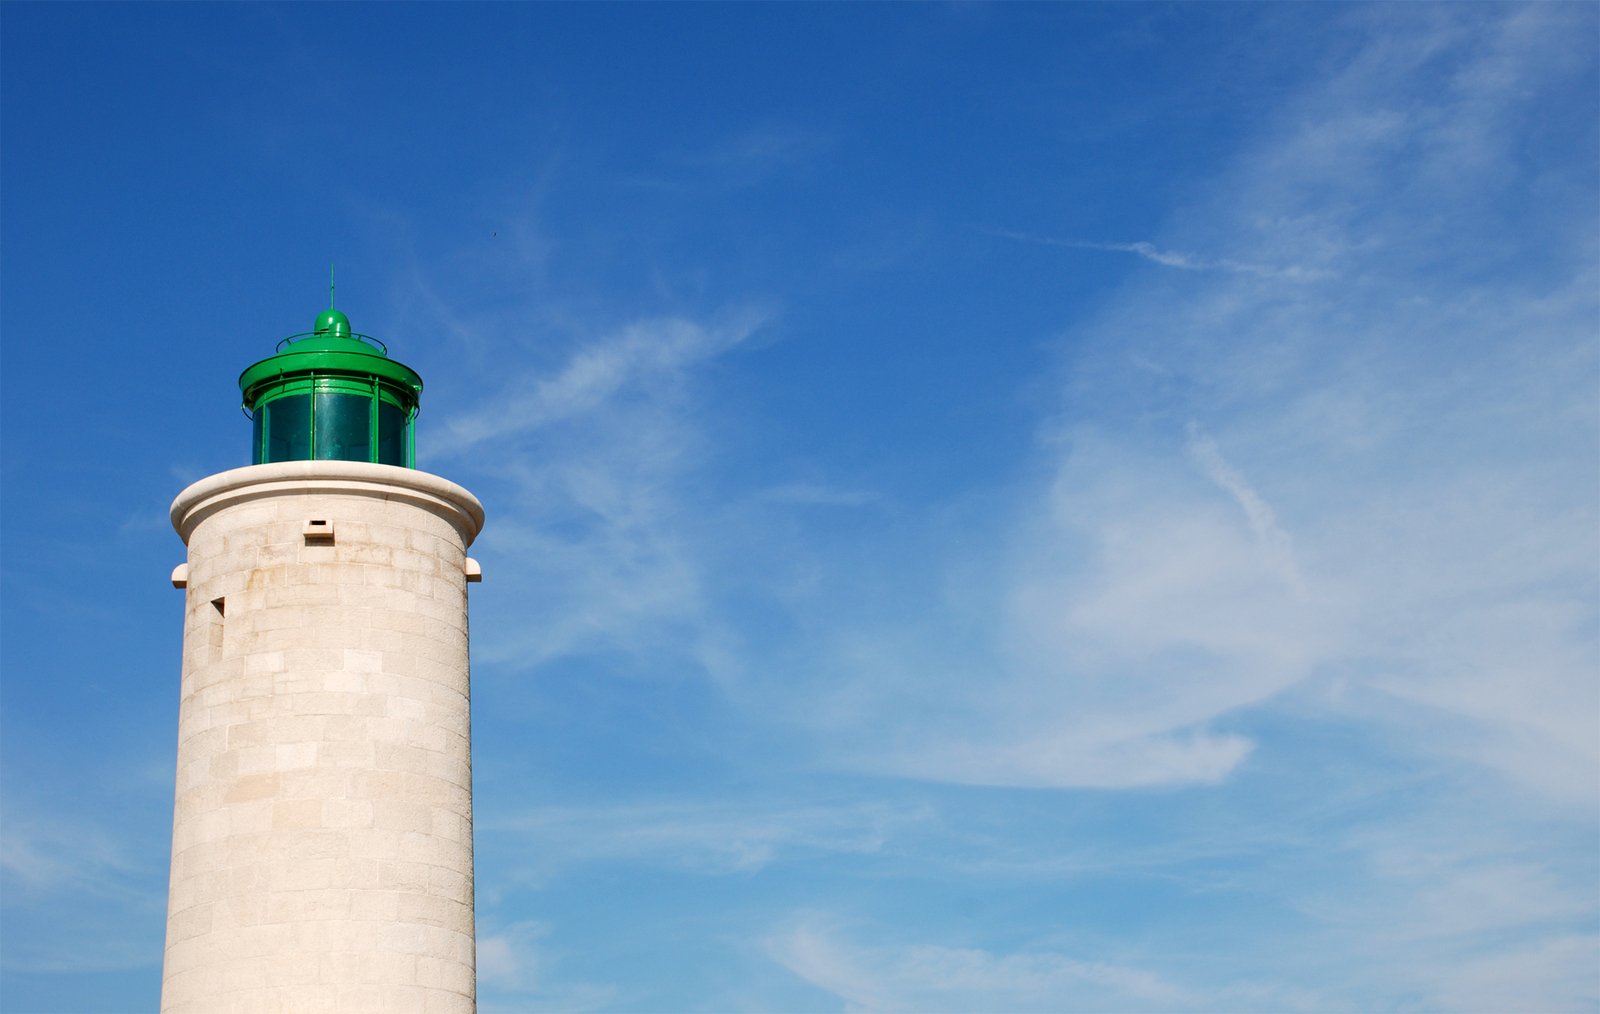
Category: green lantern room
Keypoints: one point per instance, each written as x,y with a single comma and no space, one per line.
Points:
332,394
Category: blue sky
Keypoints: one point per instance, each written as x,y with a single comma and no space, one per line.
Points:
990,507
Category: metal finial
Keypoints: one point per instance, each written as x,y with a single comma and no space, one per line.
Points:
330,285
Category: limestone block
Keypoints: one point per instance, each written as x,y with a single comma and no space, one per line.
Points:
289,756
359,872
439,1002
377,906
297,814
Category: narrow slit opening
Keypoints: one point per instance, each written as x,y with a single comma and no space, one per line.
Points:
219,609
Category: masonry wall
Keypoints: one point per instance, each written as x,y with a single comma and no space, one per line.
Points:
322,832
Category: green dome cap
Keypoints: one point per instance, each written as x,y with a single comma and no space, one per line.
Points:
331,321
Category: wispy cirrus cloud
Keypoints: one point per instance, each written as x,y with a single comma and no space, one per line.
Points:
1182,260
935,977
1367,899
589,463
1264,504
1139,606
812,494
758,155
83,873
519,970
1256,485
1269,535
762,148
46,854
1448,896
645,355
702,835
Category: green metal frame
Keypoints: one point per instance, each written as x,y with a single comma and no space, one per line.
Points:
370,390
332,359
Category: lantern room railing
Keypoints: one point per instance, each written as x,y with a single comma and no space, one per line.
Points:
356,335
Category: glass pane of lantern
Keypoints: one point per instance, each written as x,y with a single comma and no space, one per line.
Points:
258,419
391,435
289,428
344,427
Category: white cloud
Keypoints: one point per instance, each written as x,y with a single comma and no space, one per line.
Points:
762,149
1425,427
813,494
1176,258
646,353
587,466
713,837
933,977
60,874
516,972
508,956
1066,758
1555,973
1460,909
1273,540
1141,605
1337,444
51,854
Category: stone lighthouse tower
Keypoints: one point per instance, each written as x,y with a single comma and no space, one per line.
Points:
322,833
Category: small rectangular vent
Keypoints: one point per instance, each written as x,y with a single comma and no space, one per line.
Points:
318,530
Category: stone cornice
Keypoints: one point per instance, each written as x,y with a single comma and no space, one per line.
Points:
357,478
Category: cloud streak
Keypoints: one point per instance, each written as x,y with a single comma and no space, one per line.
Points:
1272,539
705,836
591,461
1178,259
644,353
933,977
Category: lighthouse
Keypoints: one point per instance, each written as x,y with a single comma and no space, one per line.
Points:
322,825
